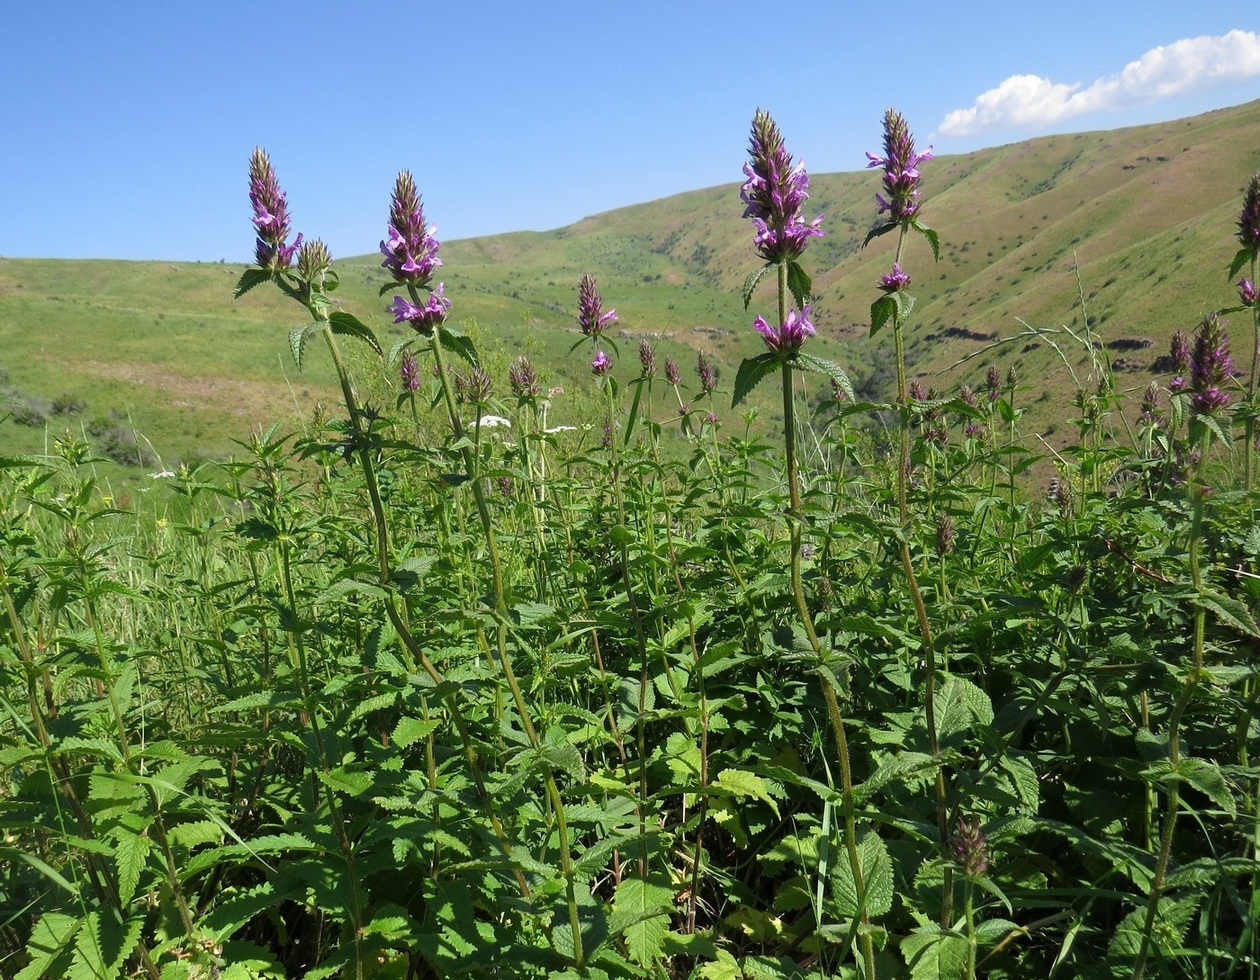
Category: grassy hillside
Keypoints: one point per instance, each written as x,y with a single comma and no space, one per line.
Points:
1135,225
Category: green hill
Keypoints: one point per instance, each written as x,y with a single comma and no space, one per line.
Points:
1135,225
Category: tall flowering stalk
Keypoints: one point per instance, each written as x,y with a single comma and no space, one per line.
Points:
774,195
1210,367
900,202
1248,294
411,249
412,262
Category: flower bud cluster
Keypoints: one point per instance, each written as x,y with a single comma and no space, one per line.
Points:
410,247
271,216
774,194
788,337
901,169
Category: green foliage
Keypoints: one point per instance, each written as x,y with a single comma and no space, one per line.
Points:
408,696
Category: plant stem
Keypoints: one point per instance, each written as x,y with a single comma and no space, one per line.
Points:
794,516
916,595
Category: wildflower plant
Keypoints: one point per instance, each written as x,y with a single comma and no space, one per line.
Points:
477,694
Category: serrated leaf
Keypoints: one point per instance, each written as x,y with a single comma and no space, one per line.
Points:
750,284
130,853
592,924
249,279
1171,919
566,758
832,370
102,947
933,953
740,783
799,284
875,897
903,768
882,310
752,370
933,238
348,325
352,782
459,344
399,346
1230,611
408,731
50,946
1241,258
1208,779
297,341
641,910
874,233
348,586
959,704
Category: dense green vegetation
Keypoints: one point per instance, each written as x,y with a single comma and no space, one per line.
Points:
433,684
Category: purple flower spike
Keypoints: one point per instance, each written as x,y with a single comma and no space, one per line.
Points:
410,248
425,319
523,379
647,358
775,193
895,281
1249,217
1179,352
791,336
1210,367
409,372
602,364
1247,292
901,169
271,215
592,317
672,374
707,372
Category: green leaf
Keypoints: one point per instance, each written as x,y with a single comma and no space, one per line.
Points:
408,731
349,781
641,910
49,948
130,853
754,277
458,343
882,310
933,238
350,326
249,279
799,284
1172,916
933,953
1208,779
566,758
740,783
959,704
874,233
875,898
809,362
1232,612
297,341
1241,258
103,946
592,924
752,370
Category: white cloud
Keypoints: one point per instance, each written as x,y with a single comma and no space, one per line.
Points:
1189,65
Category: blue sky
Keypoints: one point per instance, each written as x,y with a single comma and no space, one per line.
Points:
126,127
